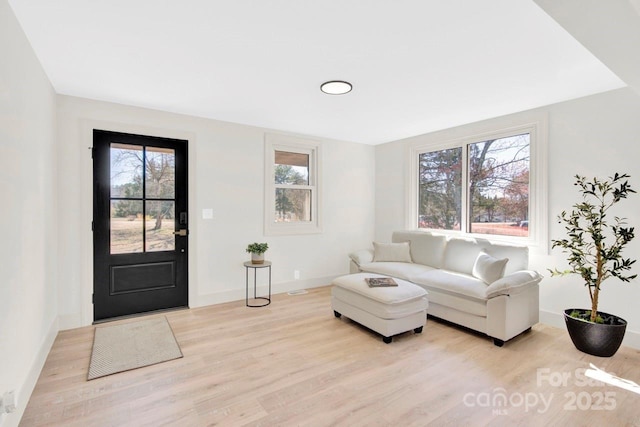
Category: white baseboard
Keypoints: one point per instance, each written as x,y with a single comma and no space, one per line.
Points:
552,319
278,288
23,393
71,321
631,338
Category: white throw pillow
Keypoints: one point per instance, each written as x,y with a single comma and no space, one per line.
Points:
391,252
489,269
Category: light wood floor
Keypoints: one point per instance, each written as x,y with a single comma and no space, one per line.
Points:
293,363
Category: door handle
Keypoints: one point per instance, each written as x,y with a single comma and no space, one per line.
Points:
183,232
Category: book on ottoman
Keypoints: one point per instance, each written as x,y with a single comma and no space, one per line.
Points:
379,282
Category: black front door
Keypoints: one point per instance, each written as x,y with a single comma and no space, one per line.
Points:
139,224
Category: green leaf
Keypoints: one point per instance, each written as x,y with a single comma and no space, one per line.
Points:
594,247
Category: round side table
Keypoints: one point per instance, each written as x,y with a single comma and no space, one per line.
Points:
256,267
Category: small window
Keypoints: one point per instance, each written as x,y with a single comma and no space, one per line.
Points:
291,179
291,194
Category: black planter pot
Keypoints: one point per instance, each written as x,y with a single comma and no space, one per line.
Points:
595,338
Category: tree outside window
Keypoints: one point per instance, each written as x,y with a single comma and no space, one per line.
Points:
142,198
440,189
291,204
497,187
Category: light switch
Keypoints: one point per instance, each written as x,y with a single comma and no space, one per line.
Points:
207,213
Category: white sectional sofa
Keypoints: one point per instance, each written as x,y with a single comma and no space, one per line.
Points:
480,285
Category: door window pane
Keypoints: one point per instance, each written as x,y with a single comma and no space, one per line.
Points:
126,170
293,205
129,233
126,226
160,225
499,186
440,189
160,173
291,168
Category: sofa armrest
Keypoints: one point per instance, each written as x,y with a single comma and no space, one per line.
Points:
363,256
513,283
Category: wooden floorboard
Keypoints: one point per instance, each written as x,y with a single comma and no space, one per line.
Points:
293,363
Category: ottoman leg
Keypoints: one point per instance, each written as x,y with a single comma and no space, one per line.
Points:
386,340
335,313
418,330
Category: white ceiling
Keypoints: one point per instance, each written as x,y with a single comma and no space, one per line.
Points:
416,65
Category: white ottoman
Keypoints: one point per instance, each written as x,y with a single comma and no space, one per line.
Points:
386,310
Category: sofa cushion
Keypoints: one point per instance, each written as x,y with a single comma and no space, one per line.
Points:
391,252
401,270
400,294
453,283
489,269
426,248
456,303
460,255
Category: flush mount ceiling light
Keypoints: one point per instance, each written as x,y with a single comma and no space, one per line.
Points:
336,87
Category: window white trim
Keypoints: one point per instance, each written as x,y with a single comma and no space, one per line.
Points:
277,142
538,217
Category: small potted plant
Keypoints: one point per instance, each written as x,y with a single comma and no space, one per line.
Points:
594,247
257,251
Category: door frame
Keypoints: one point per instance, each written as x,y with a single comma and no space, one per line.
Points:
84,316
162,293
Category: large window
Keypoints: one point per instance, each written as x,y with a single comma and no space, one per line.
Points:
486,185
291,191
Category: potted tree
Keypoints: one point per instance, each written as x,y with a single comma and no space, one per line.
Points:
594,247
257,251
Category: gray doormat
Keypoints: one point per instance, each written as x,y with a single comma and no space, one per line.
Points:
132,345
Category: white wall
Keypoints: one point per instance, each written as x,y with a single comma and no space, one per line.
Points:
226,174
28,213
593,136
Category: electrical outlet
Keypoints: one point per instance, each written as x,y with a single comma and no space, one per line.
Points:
296,274
8,403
